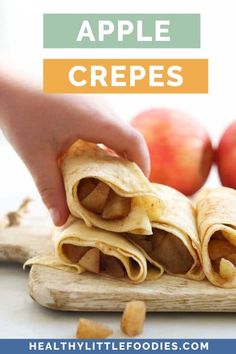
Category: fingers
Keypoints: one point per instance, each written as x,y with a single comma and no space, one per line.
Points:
50,184
126,141
137,151
96,123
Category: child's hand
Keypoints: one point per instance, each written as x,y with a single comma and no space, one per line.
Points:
41,127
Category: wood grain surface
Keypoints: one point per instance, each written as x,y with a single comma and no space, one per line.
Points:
60,290
19,243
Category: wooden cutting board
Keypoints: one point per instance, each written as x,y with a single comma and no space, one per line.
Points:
61,290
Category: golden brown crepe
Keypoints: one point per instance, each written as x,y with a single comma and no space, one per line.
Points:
120,221
81,248
216,219
107,191
174,246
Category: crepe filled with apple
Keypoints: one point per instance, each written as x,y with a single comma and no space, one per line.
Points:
79,248
107,191
174,246
216,219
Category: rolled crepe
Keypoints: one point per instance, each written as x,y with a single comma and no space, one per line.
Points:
107,191
216,219
174,246
81,248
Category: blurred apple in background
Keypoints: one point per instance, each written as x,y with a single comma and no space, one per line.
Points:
180,149
226,157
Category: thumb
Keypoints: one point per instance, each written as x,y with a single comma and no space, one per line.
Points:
49,182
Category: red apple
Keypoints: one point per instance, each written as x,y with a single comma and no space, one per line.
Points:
226,157
180,149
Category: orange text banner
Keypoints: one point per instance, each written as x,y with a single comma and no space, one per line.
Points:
126,76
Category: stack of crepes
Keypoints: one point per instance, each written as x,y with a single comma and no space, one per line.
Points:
121,225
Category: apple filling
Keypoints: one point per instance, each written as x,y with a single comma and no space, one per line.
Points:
168,250
222,254
93,260
97,197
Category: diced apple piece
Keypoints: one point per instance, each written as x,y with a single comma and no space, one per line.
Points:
133,318
116,207
172,254
227,269
85,187
114,267
96,200
220,248
74,253
88,329
91,260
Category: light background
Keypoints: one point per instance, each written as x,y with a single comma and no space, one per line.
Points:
21,47
21,39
